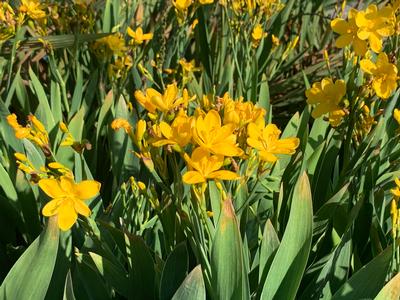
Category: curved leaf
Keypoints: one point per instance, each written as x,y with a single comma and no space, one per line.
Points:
192,287
227,256
30,276
291,258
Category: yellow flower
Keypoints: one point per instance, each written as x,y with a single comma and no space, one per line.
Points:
327,96
257,35
204,2
348,33
67,199
188,66
182,5
35,132
266,141
335,117
375,24
138,36
121,123
167,102
396,115
205,166
179,133
396,190
210,135
384,75
113,44
241,113
33,8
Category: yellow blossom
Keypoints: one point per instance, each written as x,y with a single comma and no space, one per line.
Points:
205,166
257,34
266,141
210,135
67,199
121,123
182,5
241,112
153,100
396,115
396,190
374,24
33,8
204,2
179,133
113,44
348,33
327,95
384,75
138,37
35,131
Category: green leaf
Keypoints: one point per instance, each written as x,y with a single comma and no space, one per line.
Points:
30,276
369,280
111,273
68,288
269,246
7,185
43,112
291,258
142,273
174,272
192,287
227,256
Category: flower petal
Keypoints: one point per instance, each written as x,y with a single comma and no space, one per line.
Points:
193,177
223,175
81,208
367,66
344,40
267,156
87,189
66,216
51,208
52,188
339,26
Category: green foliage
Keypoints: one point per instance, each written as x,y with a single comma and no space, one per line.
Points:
314,225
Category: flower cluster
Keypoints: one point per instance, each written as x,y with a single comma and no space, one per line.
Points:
365,29
33,131
55,179
213,136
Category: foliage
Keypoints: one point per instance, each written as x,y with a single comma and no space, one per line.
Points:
199,149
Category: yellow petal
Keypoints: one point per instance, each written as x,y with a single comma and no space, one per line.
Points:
223,175
130,32
397,181
226,149
212,119
267,156
166,130
81,208
344,40
67,184
87,189
255,143
52,188
51,208
360,46
66,216
339,26
193,177
367,66
375,42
